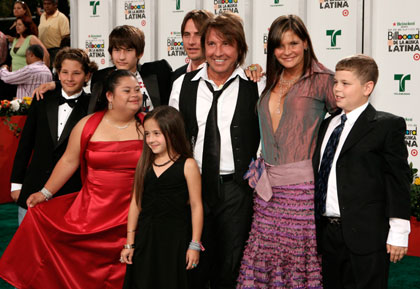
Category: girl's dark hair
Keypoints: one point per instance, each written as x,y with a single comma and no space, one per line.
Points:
109,84
75,54
172,126
30,26
280,26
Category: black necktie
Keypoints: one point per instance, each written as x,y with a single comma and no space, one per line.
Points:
70,102
211,149
325,168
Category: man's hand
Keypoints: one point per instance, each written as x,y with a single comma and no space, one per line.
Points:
254,72
15,195
396,253
43,88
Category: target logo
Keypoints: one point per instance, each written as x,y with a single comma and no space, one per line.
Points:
102,61
143,23
414,152
346,12
416,56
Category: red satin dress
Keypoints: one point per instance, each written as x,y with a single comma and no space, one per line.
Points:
74,241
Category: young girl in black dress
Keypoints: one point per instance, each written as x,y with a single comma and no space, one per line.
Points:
167,182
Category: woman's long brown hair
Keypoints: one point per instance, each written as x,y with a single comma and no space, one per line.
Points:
172,126
280,26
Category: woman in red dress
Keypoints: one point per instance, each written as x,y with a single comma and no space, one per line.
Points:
74,241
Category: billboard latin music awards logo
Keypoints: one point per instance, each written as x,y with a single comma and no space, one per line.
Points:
175,46
404,37
94,5
333,39
221,6
411,137
95,47
333,4
134,10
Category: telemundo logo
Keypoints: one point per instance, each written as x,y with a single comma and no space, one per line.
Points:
94,4
333,34
402,78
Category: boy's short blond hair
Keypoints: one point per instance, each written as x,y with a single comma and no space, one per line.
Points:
363,66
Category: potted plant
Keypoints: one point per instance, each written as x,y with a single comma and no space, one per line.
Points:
16,107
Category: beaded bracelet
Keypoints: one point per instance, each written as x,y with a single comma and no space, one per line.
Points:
129,246
47,194
196,246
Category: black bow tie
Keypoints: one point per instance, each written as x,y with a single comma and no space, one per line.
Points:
70,102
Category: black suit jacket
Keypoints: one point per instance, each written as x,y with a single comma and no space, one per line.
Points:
156,76
373,179
39,140
178,72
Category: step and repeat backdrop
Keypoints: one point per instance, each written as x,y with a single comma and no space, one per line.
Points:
385,29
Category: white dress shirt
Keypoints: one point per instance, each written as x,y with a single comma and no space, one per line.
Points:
226,106
143,91
64,112
399,228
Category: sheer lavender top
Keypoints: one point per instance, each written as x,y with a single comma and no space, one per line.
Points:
304,108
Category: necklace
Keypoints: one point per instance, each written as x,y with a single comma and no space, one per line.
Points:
118,126
162,165
284,87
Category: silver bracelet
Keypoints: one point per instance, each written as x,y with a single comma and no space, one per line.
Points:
47,194
129,246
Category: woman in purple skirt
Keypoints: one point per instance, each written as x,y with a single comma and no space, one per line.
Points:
281,250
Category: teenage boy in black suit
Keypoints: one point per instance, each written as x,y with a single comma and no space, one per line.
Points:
126,46
48,126
362,184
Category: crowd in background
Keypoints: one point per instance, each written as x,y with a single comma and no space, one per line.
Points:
52,33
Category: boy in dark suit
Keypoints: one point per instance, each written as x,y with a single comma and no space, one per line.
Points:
126,47
48,126
362,184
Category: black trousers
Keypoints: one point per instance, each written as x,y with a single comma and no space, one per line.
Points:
343,269
225,232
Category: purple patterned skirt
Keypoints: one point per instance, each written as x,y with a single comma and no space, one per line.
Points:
281,249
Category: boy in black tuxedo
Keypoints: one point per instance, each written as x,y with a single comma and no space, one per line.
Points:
48,126
362,185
